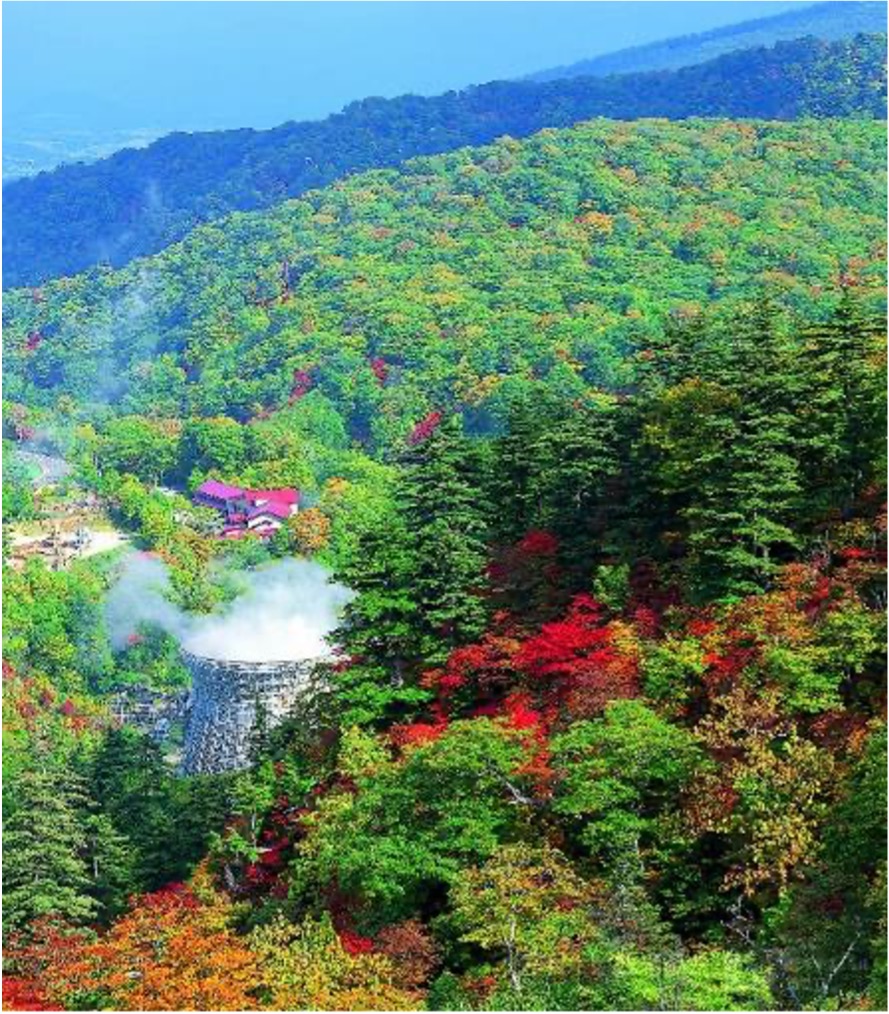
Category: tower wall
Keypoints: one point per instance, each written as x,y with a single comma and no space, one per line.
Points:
223,704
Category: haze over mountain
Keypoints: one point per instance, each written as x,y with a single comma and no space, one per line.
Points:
314,60
268,62
139,201
81,79
838,19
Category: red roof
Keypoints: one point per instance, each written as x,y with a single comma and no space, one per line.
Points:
287,496
276,503
219,490
273,509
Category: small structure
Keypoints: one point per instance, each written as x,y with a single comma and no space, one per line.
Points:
226,700
152,712
261,511
57,548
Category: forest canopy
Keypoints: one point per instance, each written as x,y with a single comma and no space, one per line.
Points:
465,278
591,425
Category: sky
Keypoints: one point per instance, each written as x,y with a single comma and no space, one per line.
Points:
192,65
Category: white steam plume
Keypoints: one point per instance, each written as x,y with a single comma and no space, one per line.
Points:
285,612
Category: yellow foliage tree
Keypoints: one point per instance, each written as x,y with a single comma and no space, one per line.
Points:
311,531
307,967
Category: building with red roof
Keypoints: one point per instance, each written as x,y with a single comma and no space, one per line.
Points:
261,511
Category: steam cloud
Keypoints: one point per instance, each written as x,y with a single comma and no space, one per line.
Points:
284,613
125,325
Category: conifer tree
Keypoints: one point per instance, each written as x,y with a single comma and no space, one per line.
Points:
723,449
445,512
110,857
747,513
133,788
379,632
512,482
44,846
842,411
576,459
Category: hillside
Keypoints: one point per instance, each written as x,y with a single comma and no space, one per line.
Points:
607,728
831,21
549,497
465,277
139,201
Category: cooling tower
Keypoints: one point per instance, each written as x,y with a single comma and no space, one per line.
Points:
224,699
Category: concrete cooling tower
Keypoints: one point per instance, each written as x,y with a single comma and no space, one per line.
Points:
222,709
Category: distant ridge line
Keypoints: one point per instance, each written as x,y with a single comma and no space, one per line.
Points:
832,20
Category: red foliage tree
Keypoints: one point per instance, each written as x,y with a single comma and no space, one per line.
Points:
302,384
585,662
21,994
527,577
380,369
413,952
425,428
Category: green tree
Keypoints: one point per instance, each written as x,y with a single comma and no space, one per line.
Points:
620,778
447,525
527,904
818,961
218,443
713,980
109,856
575,458
45,846
146,448
842,412
727,453
380,627
409,827
134,789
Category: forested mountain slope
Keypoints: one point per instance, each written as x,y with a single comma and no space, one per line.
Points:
592,424
463,278
137,202
840,20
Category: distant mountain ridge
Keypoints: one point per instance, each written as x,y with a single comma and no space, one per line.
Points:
840,19
42,150
139,201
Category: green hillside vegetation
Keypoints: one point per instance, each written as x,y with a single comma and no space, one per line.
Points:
592,423
840,20
465,278
138,202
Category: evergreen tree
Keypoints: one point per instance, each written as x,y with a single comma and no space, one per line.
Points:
134,789
722,447
259,733
201,805
746,514
842,412
445,513
512,487
379,632
110,857
45,844
576,460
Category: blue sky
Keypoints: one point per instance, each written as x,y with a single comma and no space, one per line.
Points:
211,64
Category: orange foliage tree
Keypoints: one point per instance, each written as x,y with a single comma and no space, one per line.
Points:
173,950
